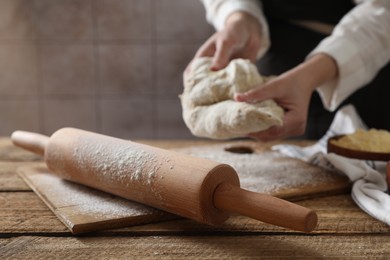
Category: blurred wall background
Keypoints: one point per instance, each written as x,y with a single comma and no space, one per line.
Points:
109,66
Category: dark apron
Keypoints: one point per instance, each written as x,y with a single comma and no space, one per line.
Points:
290,46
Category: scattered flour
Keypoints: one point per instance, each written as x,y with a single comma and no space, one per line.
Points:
266,172
86,201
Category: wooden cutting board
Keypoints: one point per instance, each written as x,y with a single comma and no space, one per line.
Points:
83,209
263,170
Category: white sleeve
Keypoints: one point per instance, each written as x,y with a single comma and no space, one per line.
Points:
360,44
217,11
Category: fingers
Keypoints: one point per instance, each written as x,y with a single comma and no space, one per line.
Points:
232,42
221,47
229,47
257,94
249,97
223,53
293,125
226,45
251,50
207,49
218,46
270,134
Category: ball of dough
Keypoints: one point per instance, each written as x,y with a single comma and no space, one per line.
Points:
209,109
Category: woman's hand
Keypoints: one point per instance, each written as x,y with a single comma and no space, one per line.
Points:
240,38
292,90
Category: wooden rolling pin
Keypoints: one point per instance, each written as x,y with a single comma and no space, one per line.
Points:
191,187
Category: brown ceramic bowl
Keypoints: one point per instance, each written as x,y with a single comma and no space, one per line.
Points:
356,154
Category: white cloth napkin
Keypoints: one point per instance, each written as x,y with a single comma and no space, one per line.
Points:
368,177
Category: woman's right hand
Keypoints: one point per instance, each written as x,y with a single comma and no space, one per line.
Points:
240,38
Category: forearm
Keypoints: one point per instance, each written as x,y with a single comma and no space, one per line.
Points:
360,45
315,71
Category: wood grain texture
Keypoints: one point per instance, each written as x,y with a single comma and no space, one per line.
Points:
24,212
82,209
29,230
262,170
197,247
71,213
336,215
9,179
11,153
265,208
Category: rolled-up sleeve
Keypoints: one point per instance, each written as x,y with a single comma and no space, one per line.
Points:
360,45
217,11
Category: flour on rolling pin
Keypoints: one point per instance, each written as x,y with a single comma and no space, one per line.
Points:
267,171
117,162
118,159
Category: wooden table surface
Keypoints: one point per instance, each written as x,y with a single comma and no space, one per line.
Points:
29,230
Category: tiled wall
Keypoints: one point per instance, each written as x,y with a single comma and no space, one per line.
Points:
110,66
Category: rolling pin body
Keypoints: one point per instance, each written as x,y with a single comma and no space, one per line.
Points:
192,187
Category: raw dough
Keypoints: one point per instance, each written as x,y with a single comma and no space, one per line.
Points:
209,109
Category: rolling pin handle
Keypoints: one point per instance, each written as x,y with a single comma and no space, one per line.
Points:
264,207
32,142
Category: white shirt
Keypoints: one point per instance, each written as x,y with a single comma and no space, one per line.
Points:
360,43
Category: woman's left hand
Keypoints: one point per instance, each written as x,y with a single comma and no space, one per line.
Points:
292,91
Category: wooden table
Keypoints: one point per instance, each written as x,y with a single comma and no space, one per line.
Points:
29,230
